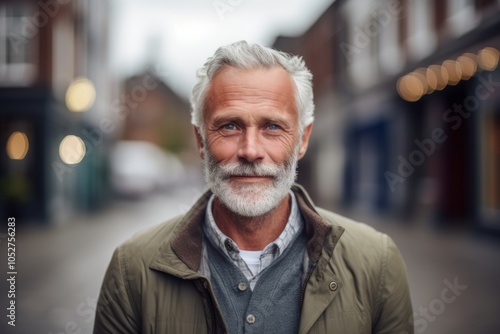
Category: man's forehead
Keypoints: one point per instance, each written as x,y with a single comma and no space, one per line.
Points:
259,85
253,81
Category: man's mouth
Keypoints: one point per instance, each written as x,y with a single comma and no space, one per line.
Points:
250,178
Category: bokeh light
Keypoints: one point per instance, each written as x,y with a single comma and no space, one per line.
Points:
72,150
410,87
80,95
17,145
488,58
468,63
454,71
420,74
440,75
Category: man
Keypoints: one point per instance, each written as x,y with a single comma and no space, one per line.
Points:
254,255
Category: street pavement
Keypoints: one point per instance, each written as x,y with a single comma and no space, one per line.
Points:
454,277
60,269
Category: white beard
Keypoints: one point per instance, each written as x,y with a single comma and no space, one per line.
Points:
250,200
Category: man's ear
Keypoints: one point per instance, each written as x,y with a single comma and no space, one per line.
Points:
304,141
199,142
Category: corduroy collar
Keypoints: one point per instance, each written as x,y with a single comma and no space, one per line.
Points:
187,244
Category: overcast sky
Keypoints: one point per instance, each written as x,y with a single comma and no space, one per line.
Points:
178,36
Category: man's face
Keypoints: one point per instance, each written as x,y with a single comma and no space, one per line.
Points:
252,142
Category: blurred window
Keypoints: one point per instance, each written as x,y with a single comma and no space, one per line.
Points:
461,17
403,24
439,15
390,57
484,4
421,37
18,38
490,165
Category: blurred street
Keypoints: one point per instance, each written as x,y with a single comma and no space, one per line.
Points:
437,260
97,140
60,269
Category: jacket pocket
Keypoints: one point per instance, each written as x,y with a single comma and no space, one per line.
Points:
348,322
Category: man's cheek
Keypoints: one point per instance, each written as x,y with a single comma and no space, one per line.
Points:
223,151
280,151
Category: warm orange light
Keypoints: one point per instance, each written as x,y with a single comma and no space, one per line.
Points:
410,87
468,63
454,71
440,75
432,79
420,74
488,58
17,145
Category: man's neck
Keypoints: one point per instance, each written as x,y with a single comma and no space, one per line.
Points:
252,233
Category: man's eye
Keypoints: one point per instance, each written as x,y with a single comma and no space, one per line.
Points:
273,127
229,127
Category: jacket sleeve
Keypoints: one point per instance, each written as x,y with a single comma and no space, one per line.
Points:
115,312
395,313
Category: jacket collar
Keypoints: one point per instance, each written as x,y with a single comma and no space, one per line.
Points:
181,254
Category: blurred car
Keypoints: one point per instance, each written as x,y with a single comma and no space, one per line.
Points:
139,168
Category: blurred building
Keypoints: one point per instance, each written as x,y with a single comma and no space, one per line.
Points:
54,107
157,114
408,108
321,171
156,134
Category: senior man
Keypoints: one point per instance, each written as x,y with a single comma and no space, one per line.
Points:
254,255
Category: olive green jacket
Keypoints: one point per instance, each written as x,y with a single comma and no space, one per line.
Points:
357,282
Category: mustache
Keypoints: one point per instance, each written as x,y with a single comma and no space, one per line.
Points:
249,169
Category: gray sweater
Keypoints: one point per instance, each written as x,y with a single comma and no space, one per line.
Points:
274,304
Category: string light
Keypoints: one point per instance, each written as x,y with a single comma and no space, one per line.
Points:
412,86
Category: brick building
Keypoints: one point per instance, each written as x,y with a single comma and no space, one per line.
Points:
408,108
53,84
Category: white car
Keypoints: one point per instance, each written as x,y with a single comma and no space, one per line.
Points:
139,168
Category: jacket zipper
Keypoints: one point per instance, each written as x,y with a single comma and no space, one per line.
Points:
303,292
212,313
212,308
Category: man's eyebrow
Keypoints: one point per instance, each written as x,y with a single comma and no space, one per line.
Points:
276,119
226,118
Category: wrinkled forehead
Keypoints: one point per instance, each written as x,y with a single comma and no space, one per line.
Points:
232,85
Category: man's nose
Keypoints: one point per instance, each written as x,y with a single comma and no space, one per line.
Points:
250,147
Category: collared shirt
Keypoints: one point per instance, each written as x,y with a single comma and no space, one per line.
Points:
270,253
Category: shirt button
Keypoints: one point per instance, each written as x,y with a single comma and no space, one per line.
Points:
242,286
333,286
228,245
250,318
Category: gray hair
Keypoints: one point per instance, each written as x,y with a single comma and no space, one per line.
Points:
251,56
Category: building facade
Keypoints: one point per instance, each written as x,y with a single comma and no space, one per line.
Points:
54,98
414,101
